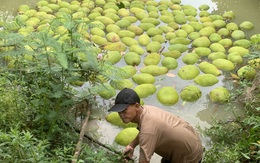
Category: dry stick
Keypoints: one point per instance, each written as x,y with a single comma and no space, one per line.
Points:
81,135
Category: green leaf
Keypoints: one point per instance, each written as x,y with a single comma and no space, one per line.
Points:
63,60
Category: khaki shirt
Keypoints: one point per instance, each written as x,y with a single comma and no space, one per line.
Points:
169,136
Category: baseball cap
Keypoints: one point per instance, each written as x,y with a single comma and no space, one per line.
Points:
125,98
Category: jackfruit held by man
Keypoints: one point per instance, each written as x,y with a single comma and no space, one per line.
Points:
206,80
190,93
219,94
126,136
167,95
114,119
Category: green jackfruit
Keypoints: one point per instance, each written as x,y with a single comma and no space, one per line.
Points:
238,34
167,96
219,23
235,58
219,94
243,43
132,58
217,47
99,40
121,84
174,54
123,23
137,49
144,40
255,63
143,78
126,136
246,72
128,41
113,28
154,70
207,31
166,28
188,72
135,29
97,31
106,91
180,40
154,31
190,93
179,47
112,37
170,63
151,20
146,26
129,71
202,51
223,64
190,58
158,38
246,25
115,120
224,32
201,42
209,68
226,42
153,47
152,59
113,57
206,80
145,90
215,37
126,33
115,46
232,26
242,51
194,35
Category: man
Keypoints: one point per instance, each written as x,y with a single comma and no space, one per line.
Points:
159,131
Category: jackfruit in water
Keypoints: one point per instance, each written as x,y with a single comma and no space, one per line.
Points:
238,34
113,57
137,49
128,41
153,47
167,96
194,35
123,23
151,20
226,42
209,68
152,59
113,28
207,31
135,29
115,46
246,72
179,47
129,71
174,54
246,25
215,37
188,72
217,47
115,120
144,40
154,70
170,35
190,58
106,91
143,78
206,80
170,63
126,136
201,42
145,90
158,38
190,93
232,26
180,40
255,63
166,28
146,26
99,40
224,32
202,51
154,31
126,33
132,58
112,37
235,58
223,64
219,23
242,51
243,43
121,84
219,94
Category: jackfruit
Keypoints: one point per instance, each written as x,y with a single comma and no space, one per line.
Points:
145,90
209,68
152,59
143,78
219,94
246,72
154,70
223,64
106,91
190,93
167,96
190,58
206,80
126,136
121,84
170,63
188,72
115,120
132,58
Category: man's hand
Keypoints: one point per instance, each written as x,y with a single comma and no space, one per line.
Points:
129,151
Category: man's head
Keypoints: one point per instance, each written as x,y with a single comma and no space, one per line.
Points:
125,98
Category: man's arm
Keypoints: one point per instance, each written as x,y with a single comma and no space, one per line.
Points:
129,149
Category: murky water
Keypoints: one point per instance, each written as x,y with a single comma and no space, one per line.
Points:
199,113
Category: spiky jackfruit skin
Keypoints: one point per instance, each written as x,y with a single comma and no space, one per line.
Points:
219,94
126,136
115,120
190,93
168,96
206,80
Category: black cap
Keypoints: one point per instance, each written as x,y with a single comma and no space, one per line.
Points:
125,98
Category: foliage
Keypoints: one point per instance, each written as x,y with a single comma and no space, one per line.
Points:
38,75
239,140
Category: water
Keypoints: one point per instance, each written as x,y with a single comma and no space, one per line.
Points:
199,113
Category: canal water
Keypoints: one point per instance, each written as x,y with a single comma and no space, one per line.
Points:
199,113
